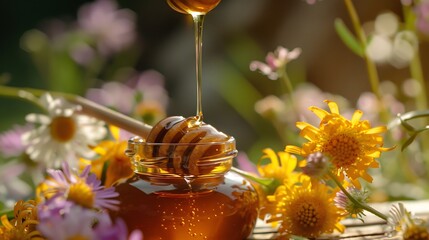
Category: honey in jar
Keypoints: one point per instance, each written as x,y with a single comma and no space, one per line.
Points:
184,190
193,6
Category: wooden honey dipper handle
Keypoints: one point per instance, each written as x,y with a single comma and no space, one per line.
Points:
88,107
112,117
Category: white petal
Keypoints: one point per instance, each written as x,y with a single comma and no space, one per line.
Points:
38,118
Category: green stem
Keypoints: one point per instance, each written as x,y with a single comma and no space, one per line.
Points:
356,202
372,70
416,65
286,81
268,184
416,73
87,107
370,65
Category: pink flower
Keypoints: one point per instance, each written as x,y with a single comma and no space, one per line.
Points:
311,2
422,12
275,61
113,28
143,96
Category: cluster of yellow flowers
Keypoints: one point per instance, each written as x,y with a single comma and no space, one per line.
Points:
338,151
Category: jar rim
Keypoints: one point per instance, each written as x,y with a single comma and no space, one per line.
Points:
198,158
140,140
136,142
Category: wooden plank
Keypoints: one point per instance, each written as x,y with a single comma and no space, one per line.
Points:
372,227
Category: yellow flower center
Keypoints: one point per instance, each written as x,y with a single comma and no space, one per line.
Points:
13,234
307,215
416,233
343,149
81,194
62,128
77,237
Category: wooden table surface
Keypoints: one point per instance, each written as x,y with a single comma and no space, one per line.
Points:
372,227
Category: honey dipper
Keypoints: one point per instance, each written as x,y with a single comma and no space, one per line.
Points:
190,144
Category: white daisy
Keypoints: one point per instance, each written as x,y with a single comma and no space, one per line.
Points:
62,134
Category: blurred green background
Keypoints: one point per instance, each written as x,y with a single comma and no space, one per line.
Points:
235,33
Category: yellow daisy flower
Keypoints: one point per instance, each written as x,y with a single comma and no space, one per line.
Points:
112,153
280,166
352,145
305,209
23,225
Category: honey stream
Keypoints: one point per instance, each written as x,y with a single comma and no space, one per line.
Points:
213,207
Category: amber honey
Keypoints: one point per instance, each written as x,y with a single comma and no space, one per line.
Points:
225,211
164,203
193,6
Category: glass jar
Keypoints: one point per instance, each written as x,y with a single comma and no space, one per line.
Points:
186,192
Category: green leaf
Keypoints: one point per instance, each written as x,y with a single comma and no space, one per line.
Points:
409,141
348,38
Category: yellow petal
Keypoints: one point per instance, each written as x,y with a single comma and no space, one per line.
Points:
340,227
114,131
293,149
319,112
302,163
333,106
103,147
376,130
374,164
367,177
5,222
356,117
309,133
269,153
382,149
288,161
302,125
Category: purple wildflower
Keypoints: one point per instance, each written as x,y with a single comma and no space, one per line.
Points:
53,207
84,189
106,230
78,222
11,144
